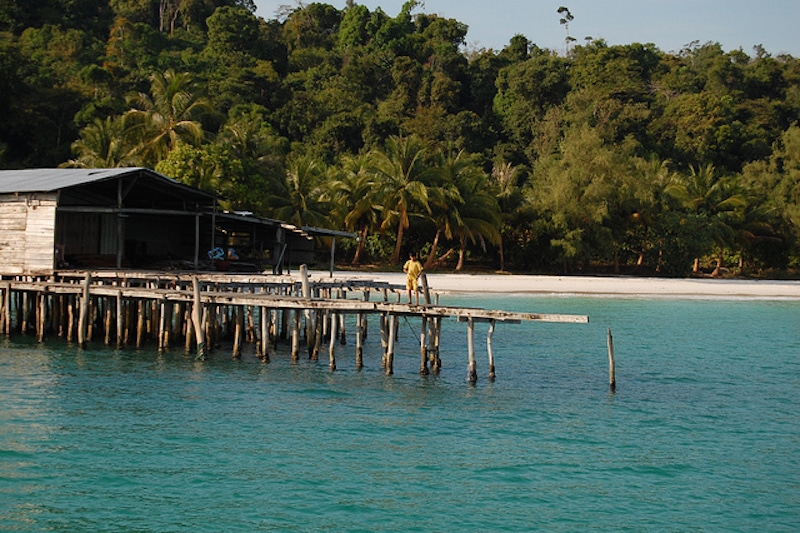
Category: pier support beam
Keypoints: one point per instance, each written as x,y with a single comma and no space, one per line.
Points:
472,370
333,340
392,325
612,377
423,347
489,349
197,321
83,317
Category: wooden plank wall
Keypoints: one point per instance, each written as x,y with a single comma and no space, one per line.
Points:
27,233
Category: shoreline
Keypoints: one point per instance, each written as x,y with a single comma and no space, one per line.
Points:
605,286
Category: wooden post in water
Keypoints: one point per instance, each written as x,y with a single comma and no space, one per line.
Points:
197,320
332,348
489,349
472,370
140,323
266,315
423,347
612,378
384,326
109,317
296,335
162,325
238,331
7,310
120,320
360,341
83,317
41,317
392,320
70,317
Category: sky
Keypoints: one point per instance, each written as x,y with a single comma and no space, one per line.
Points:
670,24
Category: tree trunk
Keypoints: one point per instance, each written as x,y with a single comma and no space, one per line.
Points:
432,255
502,256
718,268
462,252
696,266
640,260
399,244
362,237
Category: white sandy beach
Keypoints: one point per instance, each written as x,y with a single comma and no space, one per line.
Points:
622,286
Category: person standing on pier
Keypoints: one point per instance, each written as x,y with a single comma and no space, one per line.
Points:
413,270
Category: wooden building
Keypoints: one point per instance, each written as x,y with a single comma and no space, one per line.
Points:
131,218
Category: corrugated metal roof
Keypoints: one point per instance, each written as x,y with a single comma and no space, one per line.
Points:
53,179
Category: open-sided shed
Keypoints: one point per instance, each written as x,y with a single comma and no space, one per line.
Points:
124,218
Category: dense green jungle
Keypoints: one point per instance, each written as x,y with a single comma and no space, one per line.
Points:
594,158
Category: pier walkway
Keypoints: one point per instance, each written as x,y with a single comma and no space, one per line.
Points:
200,309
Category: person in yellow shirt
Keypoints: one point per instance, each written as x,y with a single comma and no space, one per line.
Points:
413,270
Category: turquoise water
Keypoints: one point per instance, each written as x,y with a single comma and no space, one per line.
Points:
703,433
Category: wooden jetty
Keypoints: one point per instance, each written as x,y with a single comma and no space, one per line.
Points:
197,310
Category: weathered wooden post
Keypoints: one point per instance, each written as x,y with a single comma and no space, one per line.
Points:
197,322
83,317
108,320
266,315
472,371
423,346
392,320
332,348
140,323
311,316
360,341
437,337
41,317
238,331
612,378
162,324
384,325
7,310
296,335
120,320
489,349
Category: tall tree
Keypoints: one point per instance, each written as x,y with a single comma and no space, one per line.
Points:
402,175
168,114
718,199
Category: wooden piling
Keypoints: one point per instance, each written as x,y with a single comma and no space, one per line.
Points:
423,346
197,323
7,310
360,341
472,371
612,378
332,347
238,332
489,350
296,335
391,320
83,317
265,316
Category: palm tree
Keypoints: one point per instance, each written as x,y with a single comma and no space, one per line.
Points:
165,116
298,198
446,200
715,197
480,217
402,176
356,196
103,144
509,197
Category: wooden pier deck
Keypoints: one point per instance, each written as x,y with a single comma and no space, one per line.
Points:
199,309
